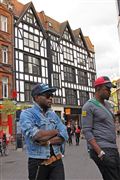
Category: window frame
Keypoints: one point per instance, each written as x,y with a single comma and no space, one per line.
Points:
5,87
71,96
5,54
3,23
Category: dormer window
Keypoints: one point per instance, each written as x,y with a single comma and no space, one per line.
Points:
10,6
49,24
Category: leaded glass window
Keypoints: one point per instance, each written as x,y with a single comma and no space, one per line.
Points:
71,97
69,74
84,96
82,78
32,65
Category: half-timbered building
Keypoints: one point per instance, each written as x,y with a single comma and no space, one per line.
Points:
47,51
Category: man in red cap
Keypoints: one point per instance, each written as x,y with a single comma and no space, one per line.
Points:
99,129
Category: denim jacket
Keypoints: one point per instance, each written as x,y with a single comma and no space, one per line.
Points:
31,121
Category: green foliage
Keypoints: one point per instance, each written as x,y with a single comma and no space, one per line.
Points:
24,106
8,107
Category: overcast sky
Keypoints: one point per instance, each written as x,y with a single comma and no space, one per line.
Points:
97,19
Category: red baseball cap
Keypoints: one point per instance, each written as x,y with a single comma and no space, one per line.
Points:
104,80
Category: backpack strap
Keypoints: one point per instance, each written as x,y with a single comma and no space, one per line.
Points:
98,104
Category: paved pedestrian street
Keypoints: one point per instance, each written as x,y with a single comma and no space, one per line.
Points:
78,165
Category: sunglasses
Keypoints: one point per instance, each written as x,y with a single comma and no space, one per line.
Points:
47,95
107,88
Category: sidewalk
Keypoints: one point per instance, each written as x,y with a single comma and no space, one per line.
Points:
77,163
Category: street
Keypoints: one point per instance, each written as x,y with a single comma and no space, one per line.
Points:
78,165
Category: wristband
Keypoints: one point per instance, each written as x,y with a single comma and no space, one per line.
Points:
101,154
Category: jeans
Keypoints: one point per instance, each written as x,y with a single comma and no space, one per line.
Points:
109,166
54,171
62,148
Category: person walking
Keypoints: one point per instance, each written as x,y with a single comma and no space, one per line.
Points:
77,135
99,130
1,150
69,130
44,133
4,145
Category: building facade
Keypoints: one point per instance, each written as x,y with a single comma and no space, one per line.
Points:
6,58
51,52
47,51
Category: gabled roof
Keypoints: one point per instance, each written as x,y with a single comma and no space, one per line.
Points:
45,20
48,24
18,7
89,44
62,29
77,33
23,9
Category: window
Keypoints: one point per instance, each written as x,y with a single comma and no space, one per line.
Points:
55,57
91,63
5,87
82,78
3,1
30,18
49,24
68,53
31,40
69,74
32,65
28,88
67,35
56,79
84,96
71,97
3,23
4,54
92,79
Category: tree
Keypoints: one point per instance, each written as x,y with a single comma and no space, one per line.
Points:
8,107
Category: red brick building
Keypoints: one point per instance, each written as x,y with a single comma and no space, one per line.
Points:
6,57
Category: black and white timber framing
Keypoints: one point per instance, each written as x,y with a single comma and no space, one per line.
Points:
61,60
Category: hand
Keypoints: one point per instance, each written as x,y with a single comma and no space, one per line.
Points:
42,143
55,131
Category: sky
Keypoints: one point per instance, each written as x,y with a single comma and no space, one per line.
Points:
98,19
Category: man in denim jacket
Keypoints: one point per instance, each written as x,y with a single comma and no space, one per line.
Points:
44,132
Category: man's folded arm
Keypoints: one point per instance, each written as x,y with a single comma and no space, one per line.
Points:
45,135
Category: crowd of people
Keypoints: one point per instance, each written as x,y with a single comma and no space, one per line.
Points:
73,131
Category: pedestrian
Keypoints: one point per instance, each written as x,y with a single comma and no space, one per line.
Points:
69,130
1,151
99,130
44,133
77,135
4,145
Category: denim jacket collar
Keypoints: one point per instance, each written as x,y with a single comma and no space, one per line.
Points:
36,106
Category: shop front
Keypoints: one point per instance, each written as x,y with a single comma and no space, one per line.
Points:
73,115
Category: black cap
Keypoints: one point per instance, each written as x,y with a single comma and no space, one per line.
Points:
41,88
